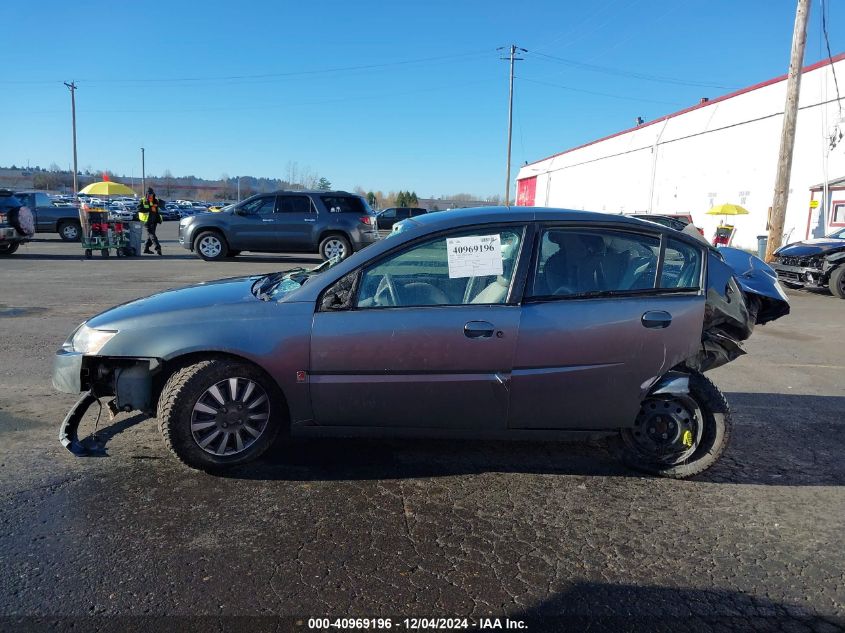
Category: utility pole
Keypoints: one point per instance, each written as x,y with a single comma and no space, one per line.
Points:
239,188
787,139
143,175
512,57
72,87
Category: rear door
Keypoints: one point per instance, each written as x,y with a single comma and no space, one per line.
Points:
428,342
295,220
606,313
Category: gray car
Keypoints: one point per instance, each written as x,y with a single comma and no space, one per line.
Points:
494,322
331,223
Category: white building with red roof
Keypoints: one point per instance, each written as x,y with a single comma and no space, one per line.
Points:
722,150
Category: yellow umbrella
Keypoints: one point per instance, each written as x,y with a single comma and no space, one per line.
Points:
728,209
107,188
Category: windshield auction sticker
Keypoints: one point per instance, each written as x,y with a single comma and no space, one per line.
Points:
474,256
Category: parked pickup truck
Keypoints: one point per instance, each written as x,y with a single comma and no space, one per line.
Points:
49,218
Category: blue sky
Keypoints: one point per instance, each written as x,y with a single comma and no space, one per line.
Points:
385,95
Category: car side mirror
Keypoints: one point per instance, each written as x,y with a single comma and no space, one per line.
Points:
341,294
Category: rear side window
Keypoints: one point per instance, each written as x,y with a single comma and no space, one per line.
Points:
681,266
293,204
344,204
575,262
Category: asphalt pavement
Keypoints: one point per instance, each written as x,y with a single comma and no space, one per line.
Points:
557,535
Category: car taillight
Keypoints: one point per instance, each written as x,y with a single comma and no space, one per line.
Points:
367,219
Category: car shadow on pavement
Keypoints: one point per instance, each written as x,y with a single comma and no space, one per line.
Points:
783,440
778,440
605,607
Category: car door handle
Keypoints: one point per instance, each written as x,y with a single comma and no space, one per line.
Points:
479,329
656,319
310,220
268,219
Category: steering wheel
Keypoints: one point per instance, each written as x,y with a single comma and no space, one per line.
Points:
565,289
386,286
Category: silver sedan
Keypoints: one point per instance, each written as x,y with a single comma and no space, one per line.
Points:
503,323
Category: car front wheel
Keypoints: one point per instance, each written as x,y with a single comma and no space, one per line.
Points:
679,435
219,412
210,246
69,231
837,282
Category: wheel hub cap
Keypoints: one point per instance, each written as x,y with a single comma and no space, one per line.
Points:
666,427
230,416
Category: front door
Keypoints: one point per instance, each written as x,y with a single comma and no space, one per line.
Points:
429,341
604,316
253,225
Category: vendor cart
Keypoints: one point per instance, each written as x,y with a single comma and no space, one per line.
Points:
99,232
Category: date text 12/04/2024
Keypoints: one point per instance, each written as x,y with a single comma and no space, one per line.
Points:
414,623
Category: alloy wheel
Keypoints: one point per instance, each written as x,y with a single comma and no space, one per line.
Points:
210,246
334,248
230,416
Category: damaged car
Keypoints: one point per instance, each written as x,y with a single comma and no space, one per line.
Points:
816,263
509,323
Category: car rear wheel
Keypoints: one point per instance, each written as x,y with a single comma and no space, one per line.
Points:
219,412
8,249
837,282
211,246
335,246
69,231
679,435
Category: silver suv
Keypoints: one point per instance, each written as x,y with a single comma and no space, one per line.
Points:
331,223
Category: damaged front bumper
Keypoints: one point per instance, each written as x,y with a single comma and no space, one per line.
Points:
802,276
128,381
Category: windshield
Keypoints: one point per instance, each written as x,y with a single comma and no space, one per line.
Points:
839,234
276,285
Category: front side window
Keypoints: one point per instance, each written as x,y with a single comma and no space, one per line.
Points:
264,205
466,267
577,262
43,200
389,214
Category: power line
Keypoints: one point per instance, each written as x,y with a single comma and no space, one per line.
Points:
600,94
266,76
631,74
829,54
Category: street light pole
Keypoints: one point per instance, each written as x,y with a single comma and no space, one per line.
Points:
143,175
513,58
239,188
72,87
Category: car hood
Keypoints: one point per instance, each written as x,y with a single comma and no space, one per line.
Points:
193,303
806,248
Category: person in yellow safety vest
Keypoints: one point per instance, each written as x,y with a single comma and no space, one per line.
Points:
149,214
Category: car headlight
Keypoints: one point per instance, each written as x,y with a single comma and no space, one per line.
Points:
87,340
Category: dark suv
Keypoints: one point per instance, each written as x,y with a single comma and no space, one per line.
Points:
331,223
387,218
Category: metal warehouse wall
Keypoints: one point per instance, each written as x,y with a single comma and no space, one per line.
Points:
721,151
